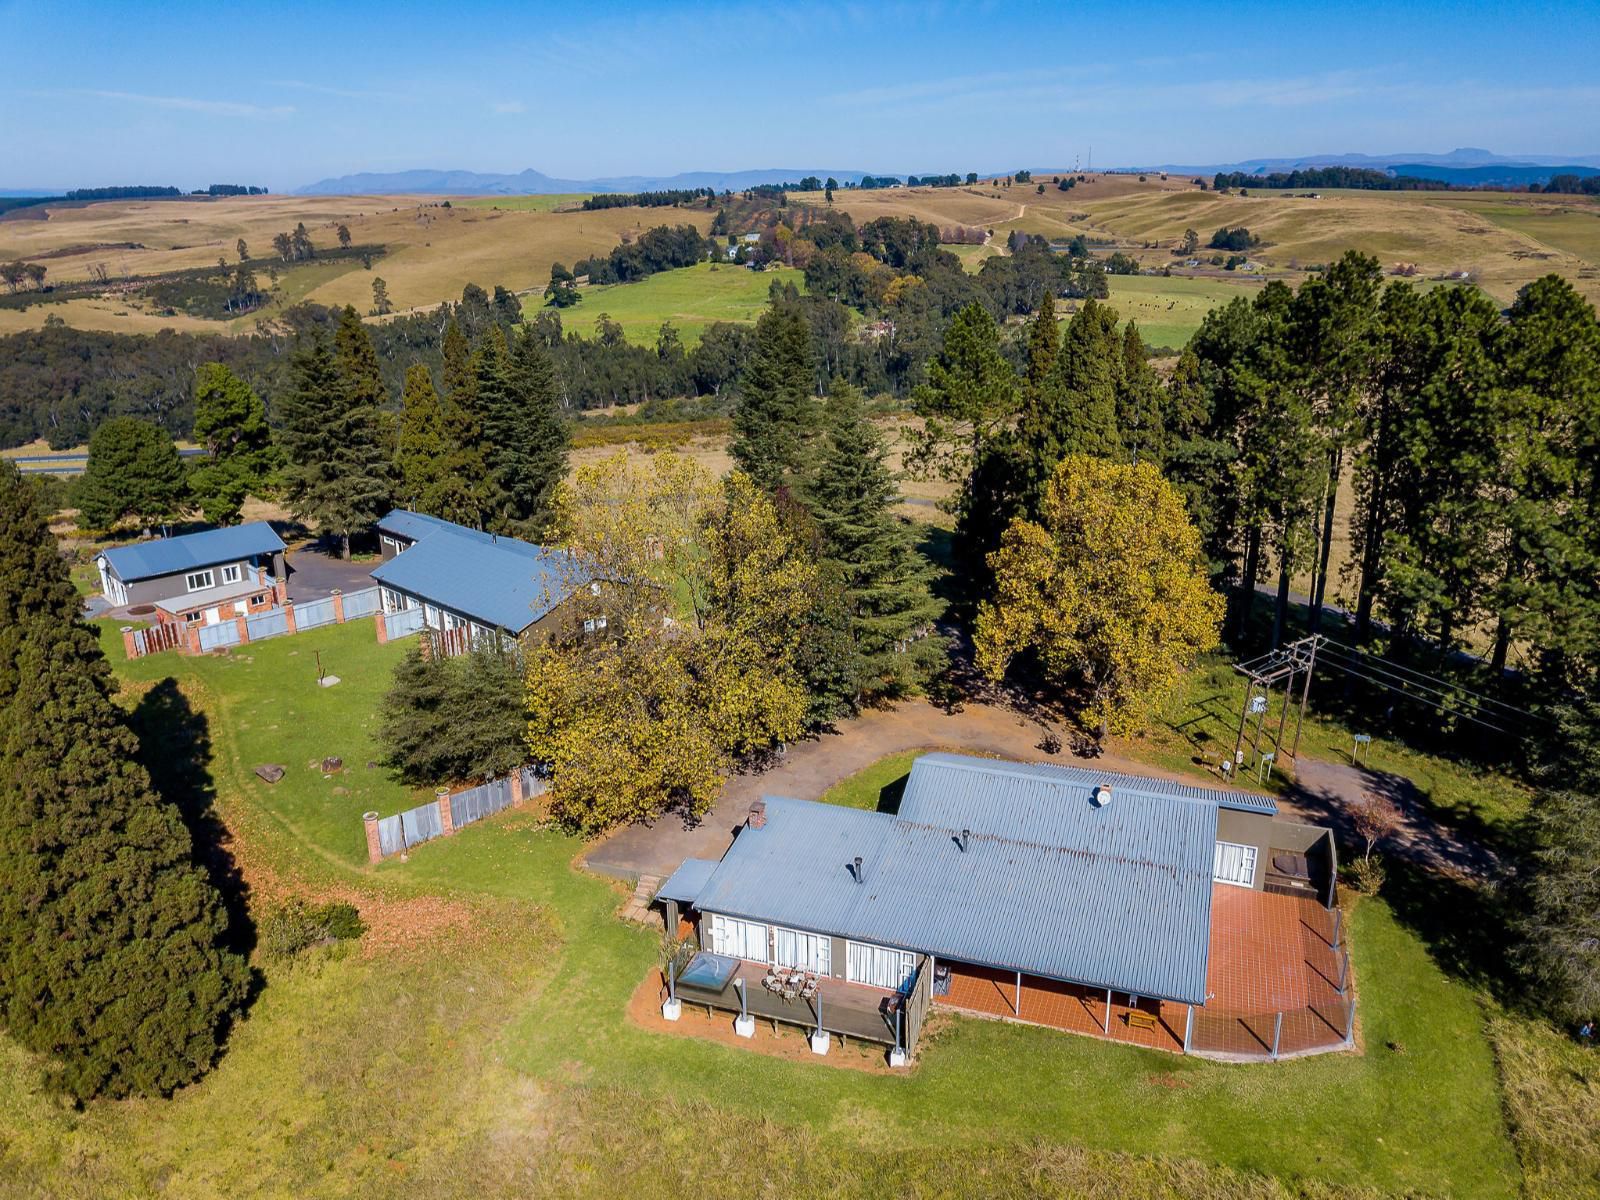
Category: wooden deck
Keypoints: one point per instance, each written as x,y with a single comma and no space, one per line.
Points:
849,1009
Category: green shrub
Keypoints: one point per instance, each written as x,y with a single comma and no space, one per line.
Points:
295,926
1366,876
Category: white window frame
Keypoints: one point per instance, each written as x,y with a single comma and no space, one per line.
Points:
737,938
806,951
208,575
868,964
1245,864
386,540
231,573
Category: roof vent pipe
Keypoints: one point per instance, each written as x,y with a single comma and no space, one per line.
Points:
1102,795
860,875
965,834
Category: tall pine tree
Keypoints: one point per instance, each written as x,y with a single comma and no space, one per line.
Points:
111,956
532,458
466,462
231,423
776,414
420,448
338,472
851,495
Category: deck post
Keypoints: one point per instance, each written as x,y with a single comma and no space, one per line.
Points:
897,1056
1349,1023
1338,913
819,1038
744,1025
1188,1026
673,1008
1108,1012
1344,967
1277,1036
1016,1007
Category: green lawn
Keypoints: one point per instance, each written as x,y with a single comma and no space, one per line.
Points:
498,1060
526,203
1170,309
690,297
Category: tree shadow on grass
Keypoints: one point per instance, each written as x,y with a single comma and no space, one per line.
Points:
1466,926
175,747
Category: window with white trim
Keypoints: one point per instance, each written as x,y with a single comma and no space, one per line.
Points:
806,951
739,939
879,966
198,581
1234,863
230,573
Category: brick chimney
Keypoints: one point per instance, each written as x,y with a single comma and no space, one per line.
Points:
758,815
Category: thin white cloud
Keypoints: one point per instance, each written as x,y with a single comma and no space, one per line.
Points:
508,108
322,89
216,108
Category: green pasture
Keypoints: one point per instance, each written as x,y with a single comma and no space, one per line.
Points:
690,297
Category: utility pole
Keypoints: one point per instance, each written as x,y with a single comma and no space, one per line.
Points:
1305,695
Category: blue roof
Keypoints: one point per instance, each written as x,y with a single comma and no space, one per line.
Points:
684,884
169,556
497,581
415,526
1050,884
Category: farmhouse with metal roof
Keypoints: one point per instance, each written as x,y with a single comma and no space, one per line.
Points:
465,581
197,578
1179,917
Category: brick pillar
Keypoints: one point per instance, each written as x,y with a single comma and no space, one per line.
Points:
374,848
338,606
280,591
288,617
517,798
191,637
383,628
442,799
127,642
244,629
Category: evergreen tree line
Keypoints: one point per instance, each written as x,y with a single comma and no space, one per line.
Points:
1329,177
670,198
116,959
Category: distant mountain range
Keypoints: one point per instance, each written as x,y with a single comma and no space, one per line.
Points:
1467,165
536,183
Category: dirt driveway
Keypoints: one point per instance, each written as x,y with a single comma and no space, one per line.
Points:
810,768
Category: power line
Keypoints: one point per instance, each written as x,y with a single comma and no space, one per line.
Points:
1355,652
1440,687
1358,673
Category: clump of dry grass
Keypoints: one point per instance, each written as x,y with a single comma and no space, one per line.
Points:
1552,1100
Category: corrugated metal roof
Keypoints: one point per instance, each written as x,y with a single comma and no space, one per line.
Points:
1049,884
684,884
1087,777
498,581
413,526
168,556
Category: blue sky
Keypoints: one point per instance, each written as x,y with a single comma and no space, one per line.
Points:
284,94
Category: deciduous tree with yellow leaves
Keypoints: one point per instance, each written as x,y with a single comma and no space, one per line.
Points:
683,656
1106,594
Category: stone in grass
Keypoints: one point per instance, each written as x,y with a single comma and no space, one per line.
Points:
332,764
327,681
271,772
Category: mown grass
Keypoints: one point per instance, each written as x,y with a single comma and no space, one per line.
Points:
690,297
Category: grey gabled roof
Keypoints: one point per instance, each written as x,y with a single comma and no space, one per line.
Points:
1050,884
684,884
500,582
169,556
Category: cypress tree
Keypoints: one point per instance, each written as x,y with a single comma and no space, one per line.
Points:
851,495
231,422
420,449
133,473
496,410
110,933
533,449
1141,403
775,417
466,463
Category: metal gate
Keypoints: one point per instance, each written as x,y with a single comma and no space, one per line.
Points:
391,838
476,803
271,623
215,637
421,823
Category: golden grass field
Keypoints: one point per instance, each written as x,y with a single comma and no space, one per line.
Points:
1504,239
433,252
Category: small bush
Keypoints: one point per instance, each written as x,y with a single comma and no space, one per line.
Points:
1366,876
296,926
